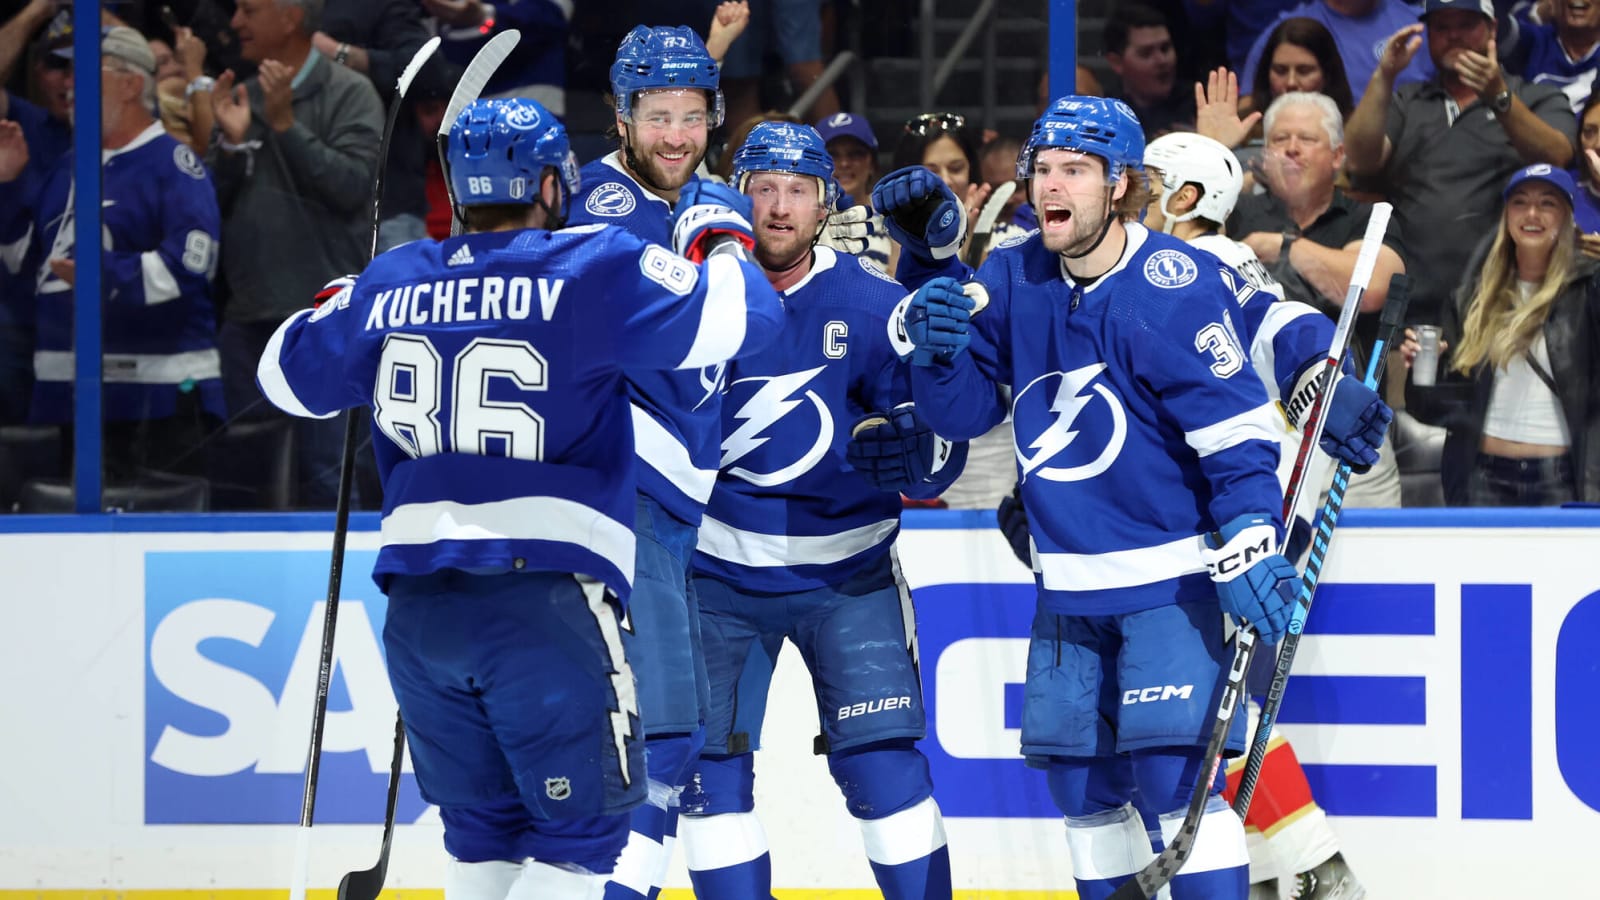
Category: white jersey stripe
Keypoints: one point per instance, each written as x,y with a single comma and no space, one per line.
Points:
276,387
722,318
133,368
1264,423
159,285
657,448
1122,568
516,519
755,549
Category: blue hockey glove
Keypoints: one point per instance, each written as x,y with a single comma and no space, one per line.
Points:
921,213
709,213
1013,519
937,321
893,449
1254,582
1358,421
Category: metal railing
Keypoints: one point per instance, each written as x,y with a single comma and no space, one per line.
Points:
934,79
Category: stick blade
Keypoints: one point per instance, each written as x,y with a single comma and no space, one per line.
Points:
479,71
418,60
365,884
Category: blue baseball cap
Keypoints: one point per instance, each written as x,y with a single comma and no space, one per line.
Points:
1560,179
847,125
1482,7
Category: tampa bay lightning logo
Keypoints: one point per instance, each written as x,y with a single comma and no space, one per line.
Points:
1169,268
610,199
1069,426
776,408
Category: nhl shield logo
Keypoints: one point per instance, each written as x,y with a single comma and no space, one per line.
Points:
557,788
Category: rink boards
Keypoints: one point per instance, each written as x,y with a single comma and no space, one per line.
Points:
160,671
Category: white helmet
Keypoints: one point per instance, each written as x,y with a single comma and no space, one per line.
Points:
1186,158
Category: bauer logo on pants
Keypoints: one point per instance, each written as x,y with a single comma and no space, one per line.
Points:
232,644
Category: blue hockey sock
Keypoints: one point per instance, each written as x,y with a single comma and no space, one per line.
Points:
642,867
1107,848
1218,867
727,856
908,853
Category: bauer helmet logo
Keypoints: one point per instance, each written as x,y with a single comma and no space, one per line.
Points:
558,788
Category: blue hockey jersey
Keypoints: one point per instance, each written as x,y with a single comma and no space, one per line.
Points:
493,365
160,232
1141,424
677,418
1531,49
788,512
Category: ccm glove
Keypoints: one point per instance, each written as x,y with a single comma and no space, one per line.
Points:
894,449
849,230
1254,582
709,214
937,321
1013,519
1358,421
921,213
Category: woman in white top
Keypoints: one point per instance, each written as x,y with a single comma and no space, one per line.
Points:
1517,388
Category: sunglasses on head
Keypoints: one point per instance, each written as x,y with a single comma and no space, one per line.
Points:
919,126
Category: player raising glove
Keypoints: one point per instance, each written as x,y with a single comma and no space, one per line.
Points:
710,214
896,450
937,321
850,229
1254,581
921,213
1358,421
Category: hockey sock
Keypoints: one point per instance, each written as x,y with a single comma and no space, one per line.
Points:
1285,813
480,880
727,856
1107,848
1218,867
642,868
546,881
908,853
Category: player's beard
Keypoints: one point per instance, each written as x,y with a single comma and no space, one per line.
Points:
1087,223
779,252
653,173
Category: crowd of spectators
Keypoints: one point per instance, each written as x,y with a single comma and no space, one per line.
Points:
240,138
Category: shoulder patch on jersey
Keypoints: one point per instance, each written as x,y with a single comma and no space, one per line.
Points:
1015,239
610,199
188,163
1168,268
876,271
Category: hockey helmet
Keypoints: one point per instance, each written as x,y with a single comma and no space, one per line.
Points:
1098,126
498,149
1186,158
662,58
790,149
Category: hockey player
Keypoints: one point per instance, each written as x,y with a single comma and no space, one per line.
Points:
493,364
1200,181
665,87
821,438
1146,447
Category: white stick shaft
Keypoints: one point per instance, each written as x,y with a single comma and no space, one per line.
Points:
302,864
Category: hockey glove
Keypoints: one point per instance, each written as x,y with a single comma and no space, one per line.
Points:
937,321
1358,421
1254,582
708,214
849,230
894,449
921,213
1013,519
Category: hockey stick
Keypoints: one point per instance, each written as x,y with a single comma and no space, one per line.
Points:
983,229
479,71
1393,318
1147,882
366,884
341,524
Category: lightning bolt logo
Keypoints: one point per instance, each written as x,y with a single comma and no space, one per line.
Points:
711,381
1073,395
765,407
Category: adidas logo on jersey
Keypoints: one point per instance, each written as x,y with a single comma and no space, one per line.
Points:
462,257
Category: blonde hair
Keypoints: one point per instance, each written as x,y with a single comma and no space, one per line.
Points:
1498,328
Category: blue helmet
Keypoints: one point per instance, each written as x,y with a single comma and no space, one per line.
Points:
498,148
664,57
1098,126
788,148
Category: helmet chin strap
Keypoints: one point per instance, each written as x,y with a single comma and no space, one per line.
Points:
1111,216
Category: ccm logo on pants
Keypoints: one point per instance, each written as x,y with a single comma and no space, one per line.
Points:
1155,694
869,707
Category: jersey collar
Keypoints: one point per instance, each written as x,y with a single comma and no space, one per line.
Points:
144,137
823,258
1136,237
614,160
